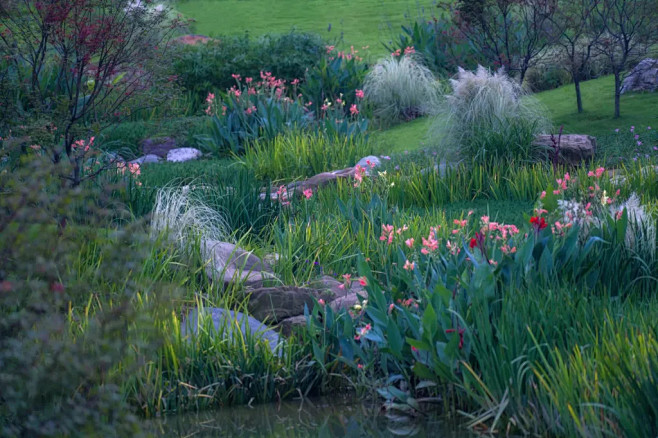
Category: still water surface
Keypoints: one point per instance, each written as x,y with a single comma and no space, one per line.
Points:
322,417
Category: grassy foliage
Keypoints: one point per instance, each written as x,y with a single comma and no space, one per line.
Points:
300,154
486,117
401,89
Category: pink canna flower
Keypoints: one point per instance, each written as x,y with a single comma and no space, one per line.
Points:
359,94
409,50
353,110
387,234
308,193
409,266
358,175
363,281
409,242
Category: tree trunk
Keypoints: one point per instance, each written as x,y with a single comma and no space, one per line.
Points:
617,93
579,99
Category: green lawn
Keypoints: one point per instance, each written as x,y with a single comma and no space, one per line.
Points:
403,137
358,22
639,109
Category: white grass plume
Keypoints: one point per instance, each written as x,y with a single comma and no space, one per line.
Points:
483,103
641,232
182,214
401,88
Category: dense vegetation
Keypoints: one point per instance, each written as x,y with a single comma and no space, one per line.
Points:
501,286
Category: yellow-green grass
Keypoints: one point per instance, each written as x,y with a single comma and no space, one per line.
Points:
357,22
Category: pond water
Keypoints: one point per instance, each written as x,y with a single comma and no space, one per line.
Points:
320,417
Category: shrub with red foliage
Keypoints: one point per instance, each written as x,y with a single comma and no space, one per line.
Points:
96,57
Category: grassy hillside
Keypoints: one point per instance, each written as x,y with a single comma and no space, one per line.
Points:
639,109
358,22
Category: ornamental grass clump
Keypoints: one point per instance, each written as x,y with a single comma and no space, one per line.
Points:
184,216
487,117
401,89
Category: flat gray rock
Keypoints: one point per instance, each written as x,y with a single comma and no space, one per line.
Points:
224,324
231,263
147,159
180,155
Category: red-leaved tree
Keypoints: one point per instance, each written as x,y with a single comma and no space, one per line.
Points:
75,63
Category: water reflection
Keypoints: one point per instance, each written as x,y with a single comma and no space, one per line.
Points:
324,417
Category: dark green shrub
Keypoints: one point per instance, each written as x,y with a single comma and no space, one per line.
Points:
439,44
337,76
208,67
260,110
68,314
547,78
125,138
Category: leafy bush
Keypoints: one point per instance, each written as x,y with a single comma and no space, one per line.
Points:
544,77
208,67
252,111
261,110
337,76
71,327
439,44
487,118
103,57
401,89
299,154
125,137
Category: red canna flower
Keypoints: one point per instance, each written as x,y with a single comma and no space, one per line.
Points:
538,223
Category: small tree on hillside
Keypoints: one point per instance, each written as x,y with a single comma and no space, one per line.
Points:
75,63
577,34
513,34
630,28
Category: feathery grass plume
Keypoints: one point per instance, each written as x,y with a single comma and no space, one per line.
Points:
641,232
401,89
182,213
487,117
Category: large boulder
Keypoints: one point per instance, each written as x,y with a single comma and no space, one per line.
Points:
351,298
231,264
369,162
274,304
289,325
644,77
225,323
159,146
181,155
333,287
574,148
